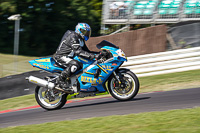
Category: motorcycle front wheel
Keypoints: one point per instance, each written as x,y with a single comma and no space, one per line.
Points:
128,88
50,99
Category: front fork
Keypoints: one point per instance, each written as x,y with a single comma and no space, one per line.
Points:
117,77
120,80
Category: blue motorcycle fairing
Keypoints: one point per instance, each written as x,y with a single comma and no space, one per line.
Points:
115,55
47,64
87,81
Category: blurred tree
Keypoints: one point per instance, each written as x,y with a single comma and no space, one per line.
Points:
44,22
6,8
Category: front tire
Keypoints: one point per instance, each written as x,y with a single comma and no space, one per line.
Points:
130,85
44,99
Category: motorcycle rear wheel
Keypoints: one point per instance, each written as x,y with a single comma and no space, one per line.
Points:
42,97
130,89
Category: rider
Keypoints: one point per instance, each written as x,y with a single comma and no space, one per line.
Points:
73,44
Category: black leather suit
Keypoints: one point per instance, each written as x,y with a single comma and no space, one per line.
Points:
71,45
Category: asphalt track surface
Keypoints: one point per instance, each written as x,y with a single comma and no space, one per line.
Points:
157,101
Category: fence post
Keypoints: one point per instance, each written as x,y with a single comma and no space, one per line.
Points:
1,70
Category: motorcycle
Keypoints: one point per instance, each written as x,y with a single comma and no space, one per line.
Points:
95,77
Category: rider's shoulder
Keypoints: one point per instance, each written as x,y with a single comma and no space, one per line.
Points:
73,34
69,33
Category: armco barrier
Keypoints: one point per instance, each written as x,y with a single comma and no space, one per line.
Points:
164,62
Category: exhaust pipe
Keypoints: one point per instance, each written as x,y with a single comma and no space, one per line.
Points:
46,84
40,82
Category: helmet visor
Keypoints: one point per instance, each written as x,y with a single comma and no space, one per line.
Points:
86,33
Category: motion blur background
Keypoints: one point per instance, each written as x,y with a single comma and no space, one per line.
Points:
138,27
44,21
161,39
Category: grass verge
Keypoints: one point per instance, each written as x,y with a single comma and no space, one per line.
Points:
174,121
8,67
173,81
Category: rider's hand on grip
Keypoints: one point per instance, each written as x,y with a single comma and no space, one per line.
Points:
104,53
98,56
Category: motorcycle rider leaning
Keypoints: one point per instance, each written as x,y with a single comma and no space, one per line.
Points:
73,44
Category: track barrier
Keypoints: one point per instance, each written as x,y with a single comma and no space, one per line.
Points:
164,62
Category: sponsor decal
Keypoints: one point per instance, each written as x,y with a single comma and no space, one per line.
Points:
33,81
91,80
107,67
82,59
43,60
102,68
114,64
41,66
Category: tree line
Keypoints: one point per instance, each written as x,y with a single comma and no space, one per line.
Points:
44,22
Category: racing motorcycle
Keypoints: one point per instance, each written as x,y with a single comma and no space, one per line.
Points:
95,77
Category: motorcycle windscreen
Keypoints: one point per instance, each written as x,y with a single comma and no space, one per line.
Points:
106,43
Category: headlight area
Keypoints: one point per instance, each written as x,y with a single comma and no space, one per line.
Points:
121,53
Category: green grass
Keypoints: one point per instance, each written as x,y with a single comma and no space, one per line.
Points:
174,121
173,81
8,67
18,102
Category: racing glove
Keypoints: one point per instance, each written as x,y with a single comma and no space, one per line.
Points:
96,56
104,53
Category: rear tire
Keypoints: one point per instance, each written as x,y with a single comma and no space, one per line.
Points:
131,86
43,100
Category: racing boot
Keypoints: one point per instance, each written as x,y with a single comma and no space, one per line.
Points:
63,83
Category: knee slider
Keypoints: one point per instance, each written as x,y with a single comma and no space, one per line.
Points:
74,68
76,63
